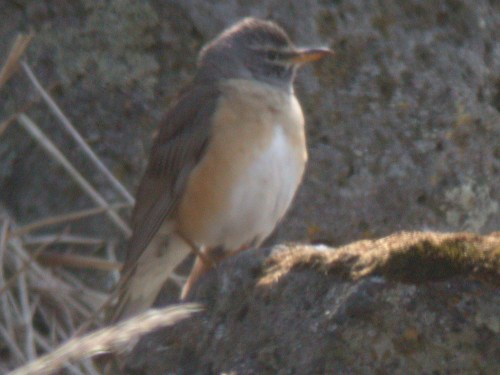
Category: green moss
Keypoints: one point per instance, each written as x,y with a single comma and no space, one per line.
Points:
409,257
430,261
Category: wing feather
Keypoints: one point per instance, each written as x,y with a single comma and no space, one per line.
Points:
179,146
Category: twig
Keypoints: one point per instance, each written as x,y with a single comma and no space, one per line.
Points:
12,345
14,309
42,342
55,319
26,313
58,303
17,50
64,218
87,362
4,297
21,269
76,136
47,144
66,302
78,286
7,312
37,271
66,239
12,118
77,261
3,240
87,295
107,339
110,252
89,299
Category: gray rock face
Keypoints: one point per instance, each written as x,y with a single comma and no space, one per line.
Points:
412,303
403,123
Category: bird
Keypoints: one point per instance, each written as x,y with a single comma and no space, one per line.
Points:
226,163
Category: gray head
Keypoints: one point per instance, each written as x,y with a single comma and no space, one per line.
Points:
255,49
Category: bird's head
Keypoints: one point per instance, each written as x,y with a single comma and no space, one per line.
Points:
258,50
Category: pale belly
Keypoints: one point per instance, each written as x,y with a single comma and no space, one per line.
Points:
263,194
251,170
237,202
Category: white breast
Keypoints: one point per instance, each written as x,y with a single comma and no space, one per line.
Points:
264,193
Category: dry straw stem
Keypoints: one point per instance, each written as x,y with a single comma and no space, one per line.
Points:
27,313
111,256
21,268
11,65
57,155
108,339
12,62
60,303
68,126
90,297
52,287
78,261
63,219
12,118
67,239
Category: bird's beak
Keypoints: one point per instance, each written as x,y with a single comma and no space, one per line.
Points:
307,55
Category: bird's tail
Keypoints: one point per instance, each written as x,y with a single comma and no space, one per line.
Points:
140,286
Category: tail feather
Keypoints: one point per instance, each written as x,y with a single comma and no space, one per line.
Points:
156,264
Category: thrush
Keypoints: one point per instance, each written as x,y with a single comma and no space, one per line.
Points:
226,162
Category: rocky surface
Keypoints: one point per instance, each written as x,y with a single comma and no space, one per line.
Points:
403,123
411,303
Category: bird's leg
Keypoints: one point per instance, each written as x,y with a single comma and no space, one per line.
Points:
214,255
199,268
198,251
205,260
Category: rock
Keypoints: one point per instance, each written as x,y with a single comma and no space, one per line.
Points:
410,303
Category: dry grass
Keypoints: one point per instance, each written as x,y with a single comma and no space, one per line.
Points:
42,303
109,339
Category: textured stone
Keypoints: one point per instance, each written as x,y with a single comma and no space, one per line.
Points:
412,303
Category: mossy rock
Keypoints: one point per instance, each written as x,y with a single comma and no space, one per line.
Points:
410,257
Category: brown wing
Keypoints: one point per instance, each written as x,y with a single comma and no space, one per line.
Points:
180,144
